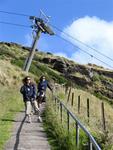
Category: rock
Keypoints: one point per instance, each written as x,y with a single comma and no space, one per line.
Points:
80,81
46,60
60,66
108,85
49,53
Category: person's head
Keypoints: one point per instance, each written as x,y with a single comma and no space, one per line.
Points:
27,80
42,78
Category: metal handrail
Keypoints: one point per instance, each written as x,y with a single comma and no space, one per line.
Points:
91,138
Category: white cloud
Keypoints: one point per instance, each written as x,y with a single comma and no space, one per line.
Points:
94,32
61,54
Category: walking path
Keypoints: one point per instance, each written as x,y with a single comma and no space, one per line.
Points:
27,136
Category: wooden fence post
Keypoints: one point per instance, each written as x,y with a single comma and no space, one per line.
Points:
79,104
103,116
88,115
61,112
69,94
68,121
72,99
66,89
77,135
55,104
90,145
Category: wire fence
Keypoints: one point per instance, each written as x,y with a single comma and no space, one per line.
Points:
61,108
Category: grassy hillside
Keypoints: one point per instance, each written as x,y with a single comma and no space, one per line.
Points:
10,98
17,54
94,123
12,59
58,70
62,70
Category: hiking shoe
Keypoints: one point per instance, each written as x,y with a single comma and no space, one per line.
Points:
39,119
29,119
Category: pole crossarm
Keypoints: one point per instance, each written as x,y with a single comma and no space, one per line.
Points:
39,23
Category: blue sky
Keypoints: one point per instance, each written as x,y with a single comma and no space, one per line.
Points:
69,16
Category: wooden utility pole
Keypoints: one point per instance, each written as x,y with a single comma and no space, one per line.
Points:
40,27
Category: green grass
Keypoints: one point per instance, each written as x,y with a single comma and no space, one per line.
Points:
59,137
10,104
38,69
104,138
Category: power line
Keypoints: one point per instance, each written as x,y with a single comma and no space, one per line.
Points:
14,24
102,54
13,13
24,26
85,51
26,15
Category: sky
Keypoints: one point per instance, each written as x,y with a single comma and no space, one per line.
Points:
87,24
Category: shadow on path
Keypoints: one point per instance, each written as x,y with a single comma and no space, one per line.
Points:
10,120
18,134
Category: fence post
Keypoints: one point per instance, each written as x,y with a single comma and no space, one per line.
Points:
90,145
55,104
103,116
58,105
88,109
79,104
68,121
77,135
69,94
72,99
66,89
61,112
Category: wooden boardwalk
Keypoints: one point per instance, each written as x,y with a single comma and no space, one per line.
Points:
27,136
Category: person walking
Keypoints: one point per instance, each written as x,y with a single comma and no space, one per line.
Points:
42,86
41,94
28,90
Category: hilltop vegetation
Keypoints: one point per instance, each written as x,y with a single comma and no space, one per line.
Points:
10,100
57,70
62,70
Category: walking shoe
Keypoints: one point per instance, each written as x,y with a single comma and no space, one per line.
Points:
37,111
39,119
29,119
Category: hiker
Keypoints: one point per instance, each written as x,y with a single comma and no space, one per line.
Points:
42,86
28,90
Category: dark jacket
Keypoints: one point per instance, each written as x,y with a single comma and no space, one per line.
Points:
43,86
28,92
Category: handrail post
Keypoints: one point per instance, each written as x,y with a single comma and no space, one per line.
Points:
90,145
61,112
77,135
58,105
68,121
55,104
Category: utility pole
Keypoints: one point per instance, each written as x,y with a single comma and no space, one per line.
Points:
40,27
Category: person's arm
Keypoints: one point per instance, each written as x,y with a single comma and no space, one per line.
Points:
34,92
48,85
38,87
22,90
